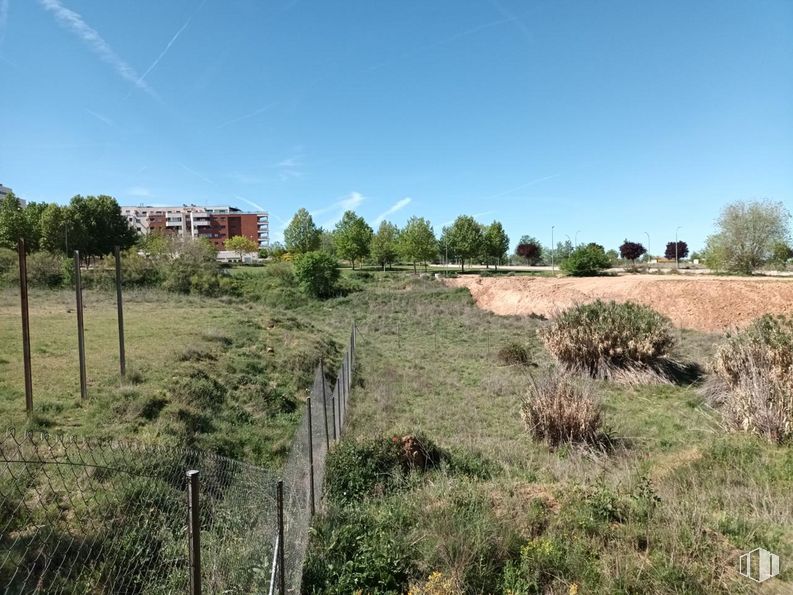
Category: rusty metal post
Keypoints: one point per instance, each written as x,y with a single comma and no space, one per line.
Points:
194,531
122,356
324,403
78,287
280,500
23,298
310,457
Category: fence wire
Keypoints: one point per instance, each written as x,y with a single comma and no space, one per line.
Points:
80,516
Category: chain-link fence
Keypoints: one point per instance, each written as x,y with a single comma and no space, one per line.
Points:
110,517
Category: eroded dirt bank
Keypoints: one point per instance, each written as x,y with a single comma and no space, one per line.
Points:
702,303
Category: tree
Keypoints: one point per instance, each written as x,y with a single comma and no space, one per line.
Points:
632,250
352,237
13,223
671,254
301,235
96,225
326,242
417,241
33,212
746,234
781,253
496,242
241,245
317,274
464,238
530,249
53,231
586,261
385,243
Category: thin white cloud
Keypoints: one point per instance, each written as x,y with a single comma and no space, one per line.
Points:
101,118
3,18
176,35
75,23
400,204
256,206
252,114
196,174
291,167
348,203
521,187
139,192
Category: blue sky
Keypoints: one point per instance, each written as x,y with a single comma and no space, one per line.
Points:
606,118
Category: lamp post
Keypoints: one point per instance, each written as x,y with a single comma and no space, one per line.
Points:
649,253
552,247
677,259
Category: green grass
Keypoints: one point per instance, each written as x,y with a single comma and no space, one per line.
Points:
180,349
667,511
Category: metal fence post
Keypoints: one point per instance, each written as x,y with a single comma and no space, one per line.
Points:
280,501
122,356
194,532
310,457
333,411
338,403
78,287
23,298
324,403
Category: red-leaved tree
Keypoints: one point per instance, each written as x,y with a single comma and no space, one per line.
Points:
682,250
632,250
530,251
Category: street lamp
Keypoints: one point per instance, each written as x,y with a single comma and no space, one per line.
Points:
649,252
677,259
552,246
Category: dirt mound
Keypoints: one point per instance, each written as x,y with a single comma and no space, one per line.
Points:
702,303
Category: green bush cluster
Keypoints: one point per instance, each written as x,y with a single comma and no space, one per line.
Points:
514,354
317,274
586,261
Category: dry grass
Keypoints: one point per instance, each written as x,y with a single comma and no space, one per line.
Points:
560,409
624,342
753,379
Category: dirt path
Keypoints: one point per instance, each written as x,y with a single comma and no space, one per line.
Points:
702,303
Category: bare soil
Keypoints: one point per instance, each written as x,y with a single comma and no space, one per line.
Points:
702,303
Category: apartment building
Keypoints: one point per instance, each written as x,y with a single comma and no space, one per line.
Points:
215,223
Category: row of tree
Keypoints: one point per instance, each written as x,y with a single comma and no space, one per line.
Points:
91,224
353,239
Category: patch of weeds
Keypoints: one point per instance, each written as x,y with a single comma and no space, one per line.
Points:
152,407
514,354
216,336
193,354
199,389
134,376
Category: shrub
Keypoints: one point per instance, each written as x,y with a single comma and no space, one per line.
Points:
586,261
753,381
514,354
559,409
317,274
45,269
622,341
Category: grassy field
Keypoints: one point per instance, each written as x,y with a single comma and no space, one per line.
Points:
666,510
222,374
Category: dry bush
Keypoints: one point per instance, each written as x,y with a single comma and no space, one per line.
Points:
627,342
753,378
561,409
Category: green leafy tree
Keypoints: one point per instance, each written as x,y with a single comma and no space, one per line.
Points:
326,242
242,245
465,239
53,228
317,274
353,237
96,226
301,235
781,253
33,212
747,233
496,243
385,244
586,261
417,241
13,223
